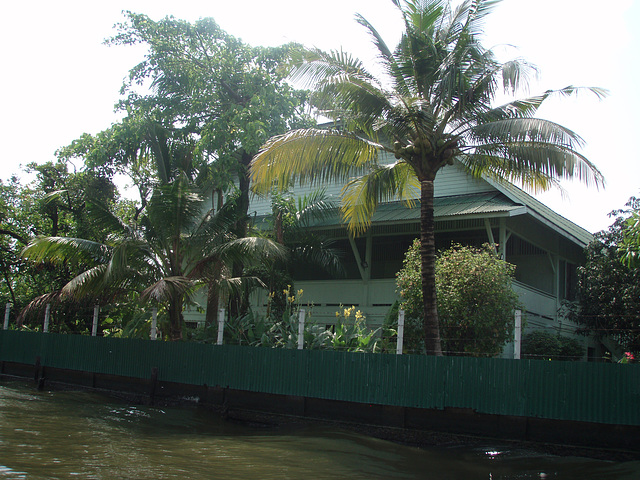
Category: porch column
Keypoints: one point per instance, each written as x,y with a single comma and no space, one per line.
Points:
502,248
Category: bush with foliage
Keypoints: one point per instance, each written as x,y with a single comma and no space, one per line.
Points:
475,299
542,345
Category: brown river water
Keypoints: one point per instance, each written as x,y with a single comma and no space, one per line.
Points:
84,435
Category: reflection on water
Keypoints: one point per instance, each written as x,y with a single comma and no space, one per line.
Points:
82,435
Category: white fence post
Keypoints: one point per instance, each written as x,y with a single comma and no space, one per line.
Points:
47,315
517,334
400,332
96,314
154,324
301,329
220,326
7,309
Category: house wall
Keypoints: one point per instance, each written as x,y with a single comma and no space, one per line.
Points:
451,180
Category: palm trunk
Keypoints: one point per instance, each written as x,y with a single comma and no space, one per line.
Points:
428,263
175,319
213,295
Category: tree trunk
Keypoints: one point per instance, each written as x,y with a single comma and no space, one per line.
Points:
428,263
213,303
175,319
213,296
238,304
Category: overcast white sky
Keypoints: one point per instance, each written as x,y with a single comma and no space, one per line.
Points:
58,80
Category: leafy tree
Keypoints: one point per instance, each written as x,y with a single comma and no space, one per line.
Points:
475,299
230,96
433,105
608,289
163,257
630,245
53,203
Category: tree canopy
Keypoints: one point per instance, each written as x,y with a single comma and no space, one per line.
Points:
199,89
608,287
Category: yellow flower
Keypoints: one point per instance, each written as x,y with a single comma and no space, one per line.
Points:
291,299
359,315
337,314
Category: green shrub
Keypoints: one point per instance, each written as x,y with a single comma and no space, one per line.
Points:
476,301
542,345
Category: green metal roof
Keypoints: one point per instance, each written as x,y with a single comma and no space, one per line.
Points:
506,201
478,205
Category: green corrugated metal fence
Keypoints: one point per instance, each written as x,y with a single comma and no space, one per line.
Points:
591,392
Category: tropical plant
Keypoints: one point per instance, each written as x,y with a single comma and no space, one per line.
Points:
163,257
476,300
352,335
289,226
435,104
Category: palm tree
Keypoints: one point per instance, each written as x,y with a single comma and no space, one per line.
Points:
289,225
175,247
434,104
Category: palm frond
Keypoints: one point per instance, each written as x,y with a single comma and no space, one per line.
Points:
58,250
314,207
87,283
310,156
174,208
36,306
312,67
251,251
167,289
317,250
360,197
107,219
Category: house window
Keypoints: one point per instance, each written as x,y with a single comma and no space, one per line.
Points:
533,264
387,255
568,278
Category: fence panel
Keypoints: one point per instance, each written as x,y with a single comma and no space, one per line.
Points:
591,392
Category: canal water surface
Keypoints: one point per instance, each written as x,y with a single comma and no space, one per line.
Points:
83,435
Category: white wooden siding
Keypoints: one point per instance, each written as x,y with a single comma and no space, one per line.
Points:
450,181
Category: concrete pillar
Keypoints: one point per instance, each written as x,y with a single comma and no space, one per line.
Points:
517,334
400,332
96,315
220,326
301,329
47,315
154,324
7,310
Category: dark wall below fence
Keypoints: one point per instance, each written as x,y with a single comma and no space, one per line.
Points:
561,402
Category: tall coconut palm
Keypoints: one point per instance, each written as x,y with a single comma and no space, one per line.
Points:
175,247
434,103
